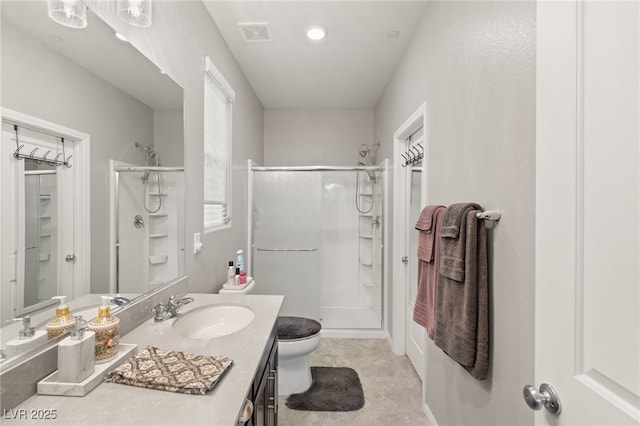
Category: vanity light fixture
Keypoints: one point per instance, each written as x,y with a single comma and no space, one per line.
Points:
70,13
135,12
316,32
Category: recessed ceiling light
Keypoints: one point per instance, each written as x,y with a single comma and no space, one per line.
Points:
316,32
121,37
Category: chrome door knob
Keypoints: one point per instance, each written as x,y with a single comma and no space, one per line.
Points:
547,397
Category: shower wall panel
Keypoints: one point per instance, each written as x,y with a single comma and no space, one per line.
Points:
151,253
339,241
286,240
314,210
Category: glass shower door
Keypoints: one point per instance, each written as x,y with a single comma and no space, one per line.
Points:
286,239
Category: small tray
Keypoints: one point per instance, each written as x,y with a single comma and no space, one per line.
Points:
51,386
239,286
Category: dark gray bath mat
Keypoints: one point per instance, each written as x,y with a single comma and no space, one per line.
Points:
332,389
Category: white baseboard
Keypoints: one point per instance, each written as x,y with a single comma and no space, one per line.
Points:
353,333
431,420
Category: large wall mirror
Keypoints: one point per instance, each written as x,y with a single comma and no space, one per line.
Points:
132,114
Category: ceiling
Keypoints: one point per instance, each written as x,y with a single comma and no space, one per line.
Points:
348,69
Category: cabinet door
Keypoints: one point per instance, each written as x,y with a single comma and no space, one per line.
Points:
272,387
261,401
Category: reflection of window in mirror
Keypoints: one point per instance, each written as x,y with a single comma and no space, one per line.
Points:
218,99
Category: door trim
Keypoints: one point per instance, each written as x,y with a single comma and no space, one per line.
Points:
417,119
82,188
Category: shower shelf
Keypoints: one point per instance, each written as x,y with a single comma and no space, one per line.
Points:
366,194
45,217
158,235
157,195
366,261
156,260
45,196
369,237
158,215
45,235
45,257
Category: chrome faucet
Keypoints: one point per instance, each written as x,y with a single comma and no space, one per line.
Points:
165,311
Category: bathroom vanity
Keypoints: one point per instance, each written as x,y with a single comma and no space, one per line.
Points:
252,376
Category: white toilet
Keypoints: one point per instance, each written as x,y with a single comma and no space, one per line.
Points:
297,338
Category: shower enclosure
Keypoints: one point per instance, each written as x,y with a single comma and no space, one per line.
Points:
147,232
316,236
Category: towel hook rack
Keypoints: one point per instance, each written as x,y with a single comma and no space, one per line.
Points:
59,159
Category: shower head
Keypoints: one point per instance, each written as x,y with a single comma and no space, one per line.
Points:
364,150
145,148
151,155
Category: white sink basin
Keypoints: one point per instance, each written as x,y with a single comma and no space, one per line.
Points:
212,321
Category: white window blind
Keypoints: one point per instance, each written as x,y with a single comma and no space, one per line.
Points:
218,99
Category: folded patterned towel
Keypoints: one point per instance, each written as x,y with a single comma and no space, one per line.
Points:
171,371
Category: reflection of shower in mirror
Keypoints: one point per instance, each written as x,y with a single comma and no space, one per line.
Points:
151,160
146,247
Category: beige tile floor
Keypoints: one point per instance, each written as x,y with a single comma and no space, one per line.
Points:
392,389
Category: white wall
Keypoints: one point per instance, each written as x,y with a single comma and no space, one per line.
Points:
304,137
168,131
181,35
474,64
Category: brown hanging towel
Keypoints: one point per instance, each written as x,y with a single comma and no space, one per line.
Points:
428,225
462,296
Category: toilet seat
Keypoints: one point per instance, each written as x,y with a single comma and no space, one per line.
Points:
297,328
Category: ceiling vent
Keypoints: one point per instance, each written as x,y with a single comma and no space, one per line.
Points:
255,32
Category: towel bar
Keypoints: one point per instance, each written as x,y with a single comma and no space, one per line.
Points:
489,215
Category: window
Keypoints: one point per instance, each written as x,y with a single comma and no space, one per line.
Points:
218,98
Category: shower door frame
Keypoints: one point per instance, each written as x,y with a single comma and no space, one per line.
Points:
383,167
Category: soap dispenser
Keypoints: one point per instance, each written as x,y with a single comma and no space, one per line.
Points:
76,354
62,322
28,338
107,332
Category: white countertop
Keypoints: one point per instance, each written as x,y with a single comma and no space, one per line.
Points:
116,404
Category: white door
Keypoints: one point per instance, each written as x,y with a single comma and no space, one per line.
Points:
588,211
410,195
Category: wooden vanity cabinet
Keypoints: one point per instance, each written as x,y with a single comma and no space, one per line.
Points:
264,391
